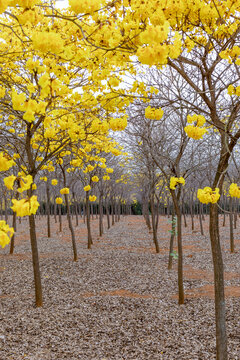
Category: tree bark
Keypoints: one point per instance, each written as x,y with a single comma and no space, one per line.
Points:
35,262
88,222
48,211
179,243
231,225
220,312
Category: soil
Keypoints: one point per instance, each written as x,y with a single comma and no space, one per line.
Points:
118,301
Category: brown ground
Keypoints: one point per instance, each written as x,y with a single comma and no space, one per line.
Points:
118,301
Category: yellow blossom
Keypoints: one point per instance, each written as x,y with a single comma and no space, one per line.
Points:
5,163
54,182
9,181
6,233
207,195
174,181
59,200
64,191
92,198
234,190
95,179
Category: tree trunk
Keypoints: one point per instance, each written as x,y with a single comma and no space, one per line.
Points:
112,212
231,225
100,216
48,211
220,312
75,256
60,217
200,219
14,225
155,240
180,253
107,213
35,262
88,221
173,231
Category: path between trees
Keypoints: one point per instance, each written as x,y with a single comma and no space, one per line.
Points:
119,300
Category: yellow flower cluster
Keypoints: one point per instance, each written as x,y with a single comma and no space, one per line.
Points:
109,170
234,90
106,177
153,114
5,163
54,182
234,190
84,6
48,41
64,191
24,182
87,188
207,195
6,233
95,179
118,124
159,53
174,181
59,200
92,198
195,131
25,207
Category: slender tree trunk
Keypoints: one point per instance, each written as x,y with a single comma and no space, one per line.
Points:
192,214
155,240
55,212
200,219
35,262
184,216
48,211
60,217
88,221
84,213
107,213
170,257
220,312
224,213
100,216
75,256
14,225
231,225
235,213
112,212
179,243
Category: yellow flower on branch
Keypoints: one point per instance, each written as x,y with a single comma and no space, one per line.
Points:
64,191
25,183
95,179
234,190
207,195
54,182
6,233
92,198
59,200
87,188
5,163
25,207
174,181
9,181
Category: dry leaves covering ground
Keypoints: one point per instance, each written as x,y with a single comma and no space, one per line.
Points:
119,300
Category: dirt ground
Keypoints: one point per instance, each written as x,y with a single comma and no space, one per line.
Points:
118,301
